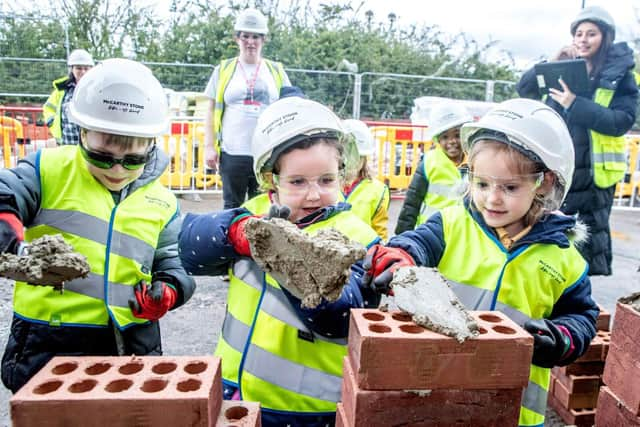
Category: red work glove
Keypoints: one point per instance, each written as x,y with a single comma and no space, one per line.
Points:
237,237
152,301
11,232
380,263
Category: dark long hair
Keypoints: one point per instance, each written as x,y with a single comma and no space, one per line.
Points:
600,57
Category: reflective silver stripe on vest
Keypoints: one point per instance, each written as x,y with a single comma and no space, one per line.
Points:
219,105
275,303
480,299
97,230
440,189
606,157
93,286
292,376
234,332
534,398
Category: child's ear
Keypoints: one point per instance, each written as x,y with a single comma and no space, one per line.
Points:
548,182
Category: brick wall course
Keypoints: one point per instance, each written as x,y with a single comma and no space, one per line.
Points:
388,351
612,412
575,400
573,417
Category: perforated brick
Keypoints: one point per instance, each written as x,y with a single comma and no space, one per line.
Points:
341,418
237,413
598,348
442,407
622,369
388,351
612,412
573,417
579,383
121,391
603,322
575,400
584,368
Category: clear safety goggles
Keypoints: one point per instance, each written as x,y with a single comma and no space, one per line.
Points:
516,186
298,184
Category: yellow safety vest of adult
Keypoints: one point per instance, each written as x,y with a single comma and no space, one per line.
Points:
524,285
443,176
268,351
118,241
608,152
366,199
51,109
227,68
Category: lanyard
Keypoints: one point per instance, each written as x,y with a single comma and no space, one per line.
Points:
251,83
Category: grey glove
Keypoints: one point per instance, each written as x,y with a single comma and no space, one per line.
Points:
278,211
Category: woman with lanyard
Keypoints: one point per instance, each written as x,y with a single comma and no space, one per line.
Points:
239,90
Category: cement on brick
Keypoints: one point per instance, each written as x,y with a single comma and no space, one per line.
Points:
50,261
633,300
312,267
425,294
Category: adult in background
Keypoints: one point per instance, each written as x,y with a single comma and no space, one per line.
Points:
55,109
239,90
597,122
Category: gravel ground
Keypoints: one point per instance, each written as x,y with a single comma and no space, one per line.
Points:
193,329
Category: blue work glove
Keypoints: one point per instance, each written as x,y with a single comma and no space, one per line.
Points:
551,342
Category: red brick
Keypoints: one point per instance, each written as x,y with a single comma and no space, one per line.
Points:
237,413
124,391
598,348
390,352
579,383
612,412
622,369
442,407
603,322
341,418
575,400
584,368
573,417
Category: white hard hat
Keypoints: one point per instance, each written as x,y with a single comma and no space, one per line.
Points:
286,122
597,15
362,134
121,97
80,57
446,116
533,129
251,21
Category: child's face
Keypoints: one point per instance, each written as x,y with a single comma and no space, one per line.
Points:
116,177
308,179
502,196
450,143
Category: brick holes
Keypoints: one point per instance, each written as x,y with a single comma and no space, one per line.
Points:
64,368
164,368
117,386
195,368
97,368
189,385
154,385
491,318
482,330
374,317
130,368
504,330
236,413
48,387
379,328
402,317
412,329
82,386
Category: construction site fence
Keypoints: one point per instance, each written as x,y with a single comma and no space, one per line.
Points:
399,148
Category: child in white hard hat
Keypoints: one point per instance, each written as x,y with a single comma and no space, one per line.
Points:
438,173
507,248
105,198
274,351
368,197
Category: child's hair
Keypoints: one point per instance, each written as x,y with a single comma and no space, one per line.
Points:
124,141
363,171
303,145
523,165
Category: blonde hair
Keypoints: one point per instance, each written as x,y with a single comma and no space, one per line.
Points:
523,165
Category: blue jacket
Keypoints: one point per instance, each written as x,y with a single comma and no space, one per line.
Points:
205,250
575,310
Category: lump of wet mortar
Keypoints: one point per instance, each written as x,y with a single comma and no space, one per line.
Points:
425,294
311,267
50,261
633,300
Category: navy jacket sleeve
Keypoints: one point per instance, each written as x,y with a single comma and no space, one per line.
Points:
576,311
527,86
20,190
425,244
203,245
413,200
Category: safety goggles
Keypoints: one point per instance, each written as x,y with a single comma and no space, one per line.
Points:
514,187
107,161
296,184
